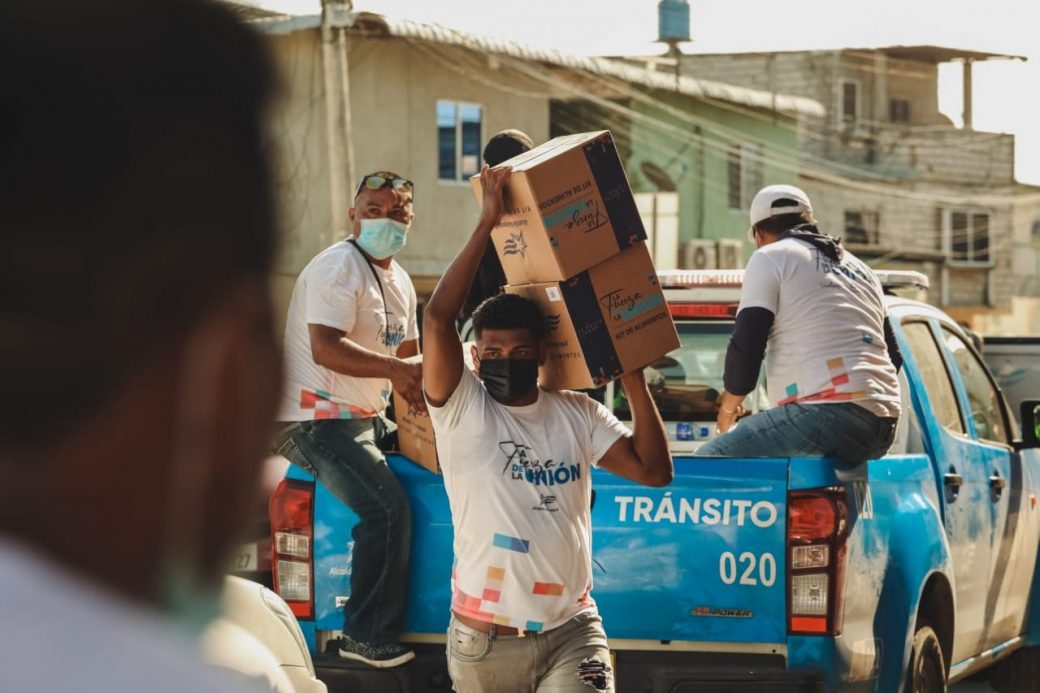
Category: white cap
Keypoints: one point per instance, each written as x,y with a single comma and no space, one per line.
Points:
762,205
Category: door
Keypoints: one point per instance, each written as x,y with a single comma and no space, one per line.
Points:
963,483
989,424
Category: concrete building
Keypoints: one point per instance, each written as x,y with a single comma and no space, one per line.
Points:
363,92
893,176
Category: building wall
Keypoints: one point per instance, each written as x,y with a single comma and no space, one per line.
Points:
911,233
298,141
693,150
394,90
843,164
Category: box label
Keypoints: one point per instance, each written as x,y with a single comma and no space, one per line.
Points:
624,306
613,188
553,293
591,329
515,244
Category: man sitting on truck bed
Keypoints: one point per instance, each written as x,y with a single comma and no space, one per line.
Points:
832,362
517,462
351,325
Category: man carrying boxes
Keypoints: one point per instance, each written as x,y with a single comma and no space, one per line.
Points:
517,457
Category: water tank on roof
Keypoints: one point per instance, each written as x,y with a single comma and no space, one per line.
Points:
673,21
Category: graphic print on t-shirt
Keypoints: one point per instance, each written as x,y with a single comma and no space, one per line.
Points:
518,481
522,464
827,341
393,337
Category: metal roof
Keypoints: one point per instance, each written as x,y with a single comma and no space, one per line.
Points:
938,54
928,54
376,24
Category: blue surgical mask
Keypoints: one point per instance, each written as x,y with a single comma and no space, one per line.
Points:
382,238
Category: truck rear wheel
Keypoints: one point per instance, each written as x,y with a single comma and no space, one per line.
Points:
927,670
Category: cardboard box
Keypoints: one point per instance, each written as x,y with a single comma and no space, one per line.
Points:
604,322
415,437
569,208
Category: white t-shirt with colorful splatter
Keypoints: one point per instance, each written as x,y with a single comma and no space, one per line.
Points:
827,342
519,485
338,289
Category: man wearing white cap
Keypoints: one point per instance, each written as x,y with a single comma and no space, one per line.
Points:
815,313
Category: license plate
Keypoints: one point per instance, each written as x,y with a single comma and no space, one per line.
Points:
246,558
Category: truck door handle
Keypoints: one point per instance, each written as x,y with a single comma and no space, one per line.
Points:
953,480
997,485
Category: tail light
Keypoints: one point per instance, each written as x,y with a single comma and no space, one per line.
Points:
703,310
291,510
817,528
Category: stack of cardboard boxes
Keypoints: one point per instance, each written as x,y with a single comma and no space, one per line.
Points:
572,241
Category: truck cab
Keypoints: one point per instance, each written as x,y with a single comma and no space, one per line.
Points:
776,574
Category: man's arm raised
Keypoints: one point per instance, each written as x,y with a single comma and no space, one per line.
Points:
442,349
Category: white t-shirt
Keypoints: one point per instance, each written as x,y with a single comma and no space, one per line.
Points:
338,289
827,342
519,485
58,633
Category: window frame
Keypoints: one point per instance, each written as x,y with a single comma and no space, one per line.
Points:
964,398
745,162
460,178
843,118
946,236
892,111
944,358
873,235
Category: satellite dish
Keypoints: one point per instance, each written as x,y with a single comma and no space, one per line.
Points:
658,176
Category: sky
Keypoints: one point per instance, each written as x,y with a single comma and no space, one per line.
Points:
1007,93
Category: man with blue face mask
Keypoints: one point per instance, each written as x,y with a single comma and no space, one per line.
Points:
351,324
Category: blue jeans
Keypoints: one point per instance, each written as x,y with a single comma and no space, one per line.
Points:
845,431
344,455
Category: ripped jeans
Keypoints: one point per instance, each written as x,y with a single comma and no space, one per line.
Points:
573,658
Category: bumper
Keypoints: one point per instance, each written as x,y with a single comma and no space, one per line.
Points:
652,672
427,673
695,672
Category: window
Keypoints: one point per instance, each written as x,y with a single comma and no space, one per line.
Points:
849,102
899,110
743,174
686,383
861,227
459,134
965,235
983,397
936,380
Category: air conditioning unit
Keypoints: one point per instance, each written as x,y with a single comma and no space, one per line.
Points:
699,254
730,254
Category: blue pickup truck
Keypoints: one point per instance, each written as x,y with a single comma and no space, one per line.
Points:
767,574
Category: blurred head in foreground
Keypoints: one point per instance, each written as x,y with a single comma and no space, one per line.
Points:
136,351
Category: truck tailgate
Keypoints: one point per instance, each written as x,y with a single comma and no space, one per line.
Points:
701,560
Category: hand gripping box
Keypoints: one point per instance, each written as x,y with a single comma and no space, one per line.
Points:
604,322
569,208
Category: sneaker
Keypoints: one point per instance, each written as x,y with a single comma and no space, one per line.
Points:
381,657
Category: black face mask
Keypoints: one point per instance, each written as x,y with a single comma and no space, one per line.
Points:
508,380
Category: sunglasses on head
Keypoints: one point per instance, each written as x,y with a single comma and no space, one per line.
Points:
378,181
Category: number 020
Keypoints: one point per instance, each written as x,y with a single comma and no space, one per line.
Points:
751,569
